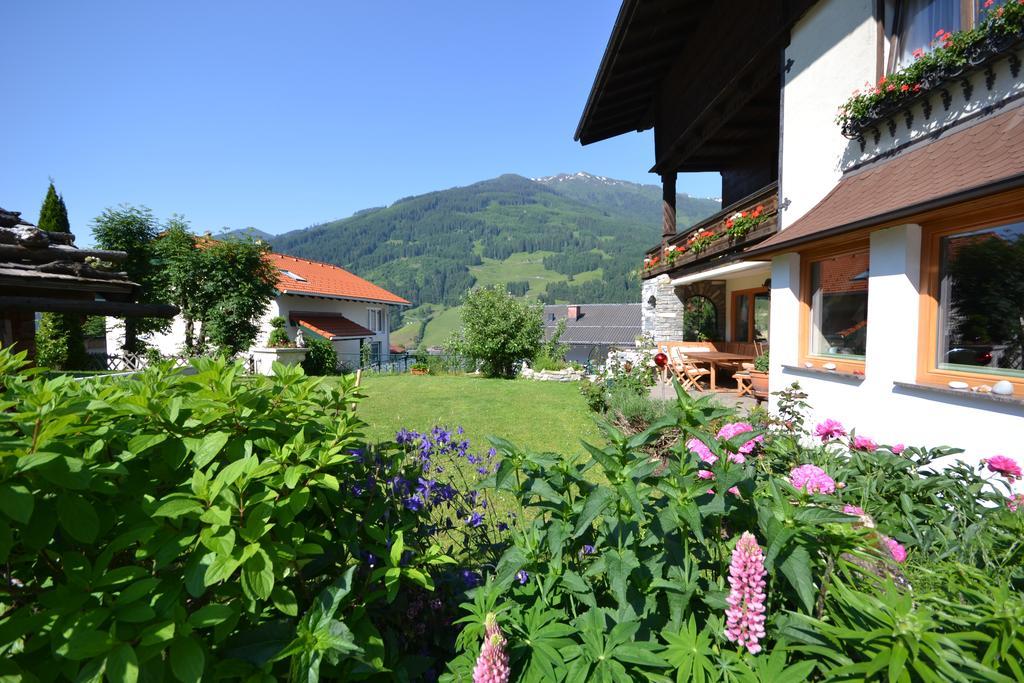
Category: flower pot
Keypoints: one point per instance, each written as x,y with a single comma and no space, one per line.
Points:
419,371
759,383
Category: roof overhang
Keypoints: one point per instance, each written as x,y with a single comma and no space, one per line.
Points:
332,326
120,309
316,295
720,272
963,164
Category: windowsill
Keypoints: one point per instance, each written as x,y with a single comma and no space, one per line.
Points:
825,374
1015,399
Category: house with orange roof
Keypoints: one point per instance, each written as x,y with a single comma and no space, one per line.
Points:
317,299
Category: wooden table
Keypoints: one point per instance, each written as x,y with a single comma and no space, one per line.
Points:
713,358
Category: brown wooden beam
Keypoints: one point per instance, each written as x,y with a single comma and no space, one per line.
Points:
121,309
49,254
668,205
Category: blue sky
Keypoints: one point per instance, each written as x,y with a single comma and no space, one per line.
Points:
281,115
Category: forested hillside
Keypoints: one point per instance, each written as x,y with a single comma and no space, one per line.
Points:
563,238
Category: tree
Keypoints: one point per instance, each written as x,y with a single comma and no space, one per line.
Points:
499,330
224,287
132,229
60,342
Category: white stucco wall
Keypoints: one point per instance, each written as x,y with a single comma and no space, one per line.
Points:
833,51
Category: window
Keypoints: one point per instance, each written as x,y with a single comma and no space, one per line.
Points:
911,25
836,307
751,309
375,349
700,319
288,273
979,323
375,319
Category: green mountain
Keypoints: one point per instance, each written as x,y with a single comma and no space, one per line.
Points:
563,238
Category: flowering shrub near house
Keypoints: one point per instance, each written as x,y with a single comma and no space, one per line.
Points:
755,553
172,527
950,56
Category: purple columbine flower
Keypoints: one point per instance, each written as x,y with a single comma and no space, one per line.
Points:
470,578
476,519
522,576
587,549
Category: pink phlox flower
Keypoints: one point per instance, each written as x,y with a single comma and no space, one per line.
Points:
863,443
1015,502
745,616
702,451
732,429
898,552
492,663
898,448
829,429
812,479
705,474
853,510
1007,467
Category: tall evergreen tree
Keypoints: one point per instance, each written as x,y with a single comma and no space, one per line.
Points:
60,342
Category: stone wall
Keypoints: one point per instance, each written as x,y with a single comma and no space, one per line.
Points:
662,309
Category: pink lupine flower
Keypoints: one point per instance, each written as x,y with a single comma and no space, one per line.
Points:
863,443
898,448
1015,502
1007,467
745,616
492,664
812,479
829,429
853,510
735,428
898,552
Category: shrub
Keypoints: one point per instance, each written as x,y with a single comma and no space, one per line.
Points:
212,526
60,342
278,336
754,556
320,357
498,330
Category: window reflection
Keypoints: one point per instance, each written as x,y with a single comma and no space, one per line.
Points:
839,305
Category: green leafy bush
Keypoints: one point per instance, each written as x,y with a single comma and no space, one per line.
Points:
498,330
320,357
278,336
215,526
747,555
60,342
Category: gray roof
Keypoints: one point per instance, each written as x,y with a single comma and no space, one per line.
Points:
597,323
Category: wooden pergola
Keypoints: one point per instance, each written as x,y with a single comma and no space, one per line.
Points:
43,271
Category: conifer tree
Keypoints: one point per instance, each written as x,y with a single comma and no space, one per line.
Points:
60,342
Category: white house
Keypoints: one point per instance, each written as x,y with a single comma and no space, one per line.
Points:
321,299
886,263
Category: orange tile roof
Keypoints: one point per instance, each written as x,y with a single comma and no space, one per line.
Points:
327,280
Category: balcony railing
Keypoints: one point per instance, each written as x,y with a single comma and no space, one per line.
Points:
710,240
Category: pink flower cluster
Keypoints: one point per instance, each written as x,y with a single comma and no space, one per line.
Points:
829,429
812,479
863,443
898,448
1002,465
898,552
1015,502
492,664
745,615
700,449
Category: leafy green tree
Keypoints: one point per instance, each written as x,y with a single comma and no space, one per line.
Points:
320,356
498,330
222,288
132,229
60,343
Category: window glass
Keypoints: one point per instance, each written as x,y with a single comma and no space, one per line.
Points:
741,323
839,305
981,12
981,301
700,319
762,313
912,25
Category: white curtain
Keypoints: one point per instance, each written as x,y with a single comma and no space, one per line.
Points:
916,22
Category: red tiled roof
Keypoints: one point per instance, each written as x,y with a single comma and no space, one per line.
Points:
985,155
327,280
330,325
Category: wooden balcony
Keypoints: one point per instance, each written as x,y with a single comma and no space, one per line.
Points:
725,246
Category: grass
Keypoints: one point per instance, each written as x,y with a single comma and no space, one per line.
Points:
541,416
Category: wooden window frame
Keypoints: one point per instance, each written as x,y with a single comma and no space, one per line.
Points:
807,259
928,371
887,44
752,292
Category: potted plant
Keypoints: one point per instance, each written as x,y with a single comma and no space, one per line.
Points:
759,375
420,368
279,349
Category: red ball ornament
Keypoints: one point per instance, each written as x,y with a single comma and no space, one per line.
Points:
660,360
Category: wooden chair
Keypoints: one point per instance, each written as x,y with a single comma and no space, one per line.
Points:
688,374
744,385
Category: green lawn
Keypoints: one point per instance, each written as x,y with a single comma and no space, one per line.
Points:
541,416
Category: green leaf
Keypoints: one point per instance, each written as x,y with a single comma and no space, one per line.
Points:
176,507
16,502
258,575
284,600
222,567
78,517
187,660
206,448
796,567
85,643
210,615
122,665
596,502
